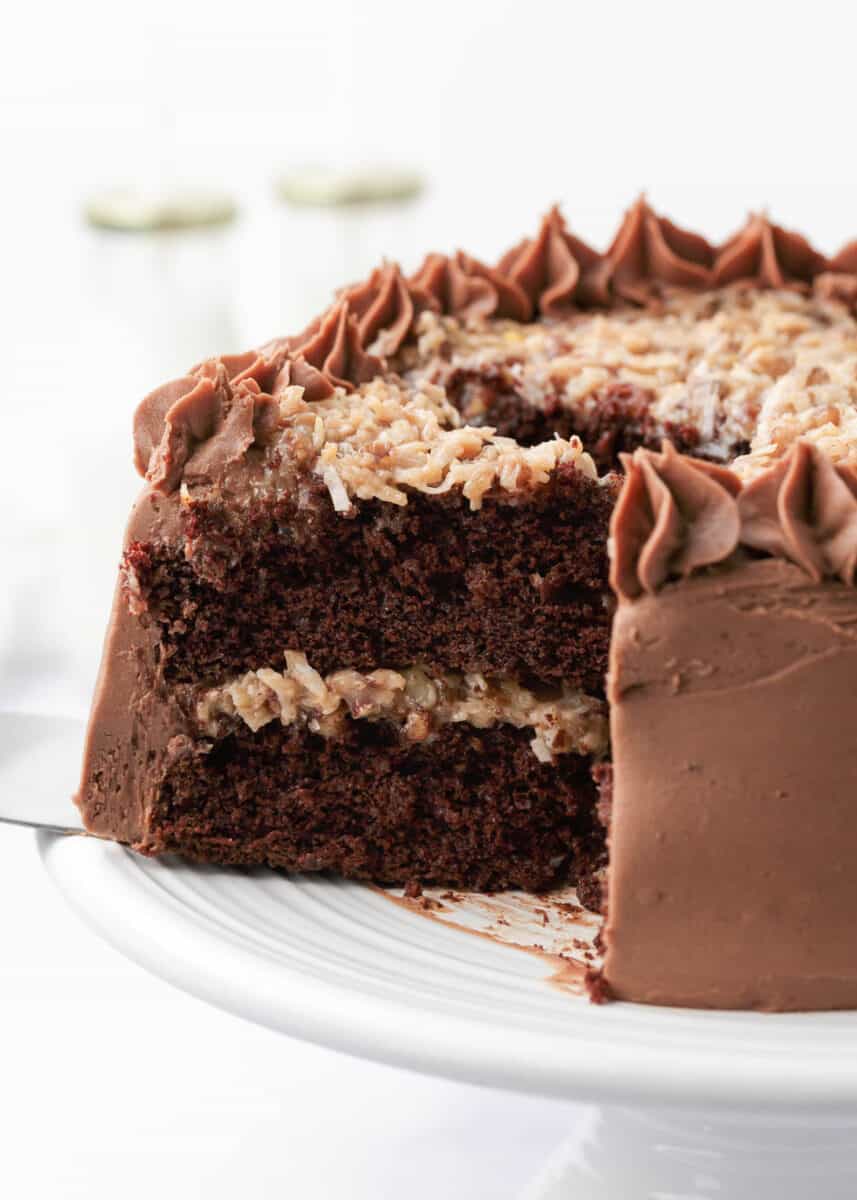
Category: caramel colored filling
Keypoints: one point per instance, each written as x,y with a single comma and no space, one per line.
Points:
420,702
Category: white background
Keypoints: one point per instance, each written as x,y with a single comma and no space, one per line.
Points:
110,1083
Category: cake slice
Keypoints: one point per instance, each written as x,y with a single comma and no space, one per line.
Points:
397,692
365,607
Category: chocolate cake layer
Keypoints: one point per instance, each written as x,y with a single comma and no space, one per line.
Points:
472,809
518,588
619,420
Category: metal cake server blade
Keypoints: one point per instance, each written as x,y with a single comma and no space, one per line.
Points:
40,761
48,825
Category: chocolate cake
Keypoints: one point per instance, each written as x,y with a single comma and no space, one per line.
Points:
514,576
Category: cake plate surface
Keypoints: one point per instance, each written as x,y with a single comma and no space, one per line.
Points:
685,1103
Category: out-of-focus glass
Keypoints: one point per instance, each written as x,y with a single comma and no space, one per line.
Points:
336,226
141,308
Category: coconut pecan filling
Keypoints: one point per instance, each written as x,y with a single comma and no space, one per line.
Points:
419,701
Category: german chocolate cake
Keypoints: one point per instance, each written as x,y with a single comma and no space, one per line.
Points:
513,576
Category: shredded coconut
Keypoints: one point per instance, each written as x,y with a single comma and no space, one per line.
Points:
737,365
812,401
388,439
740,367
385,439
418,701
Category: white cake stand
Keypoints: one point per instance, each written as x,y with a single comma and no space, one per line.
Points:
685,1104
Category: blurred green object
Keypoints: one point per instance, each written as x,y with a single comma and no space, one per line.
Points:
135,211
329,187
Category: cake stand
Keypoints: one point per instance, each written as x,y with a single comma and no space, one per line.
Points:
685,1104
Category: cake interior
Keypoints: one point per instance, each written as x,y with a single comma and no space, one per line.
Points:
481,613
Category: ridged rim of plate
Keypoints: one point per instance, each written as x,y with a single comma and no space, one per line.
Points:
338,964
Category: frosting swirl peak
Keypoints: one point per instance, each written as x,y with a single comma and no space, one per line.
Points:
462,286
804,508
677,514
650,250
674,515
768,256
558,272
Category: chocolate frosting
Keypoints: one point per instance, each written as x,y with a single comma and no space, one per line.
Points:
464,287
649,251
732,843
677,514
804,508
674,515
332,352
839,287
839,280
197,425
384,308
136,727
767,255
558,273
845,262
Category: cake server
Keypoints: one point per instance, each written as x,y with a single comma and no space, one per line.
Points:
34,752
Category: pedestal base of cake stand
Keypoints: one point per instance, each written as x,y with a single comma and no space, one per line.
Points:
625,1154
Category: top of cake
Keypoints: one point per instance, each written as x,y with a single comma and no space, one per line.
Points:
733,352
